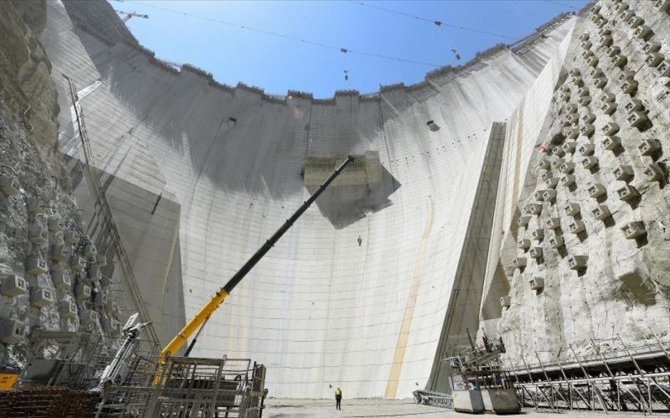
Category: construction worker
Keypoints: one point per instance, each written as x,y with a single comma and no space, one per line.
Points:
359,240
338,398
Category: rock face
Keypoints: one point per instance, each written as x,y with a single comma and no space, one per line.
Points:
586,255
51,276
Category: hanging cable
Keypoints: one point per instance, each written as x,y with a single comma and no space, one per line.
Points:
295,39
437,23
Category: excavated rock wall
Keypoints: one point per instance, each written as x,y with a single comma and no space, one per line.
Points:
50,277
587,233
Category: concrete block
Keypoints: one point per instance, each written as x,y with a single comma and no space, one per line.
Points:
584,100
523,243
629,86
38,235
663,69
573,133
577,262
545,175
636,118
619,60
564,96
67,310
653,172
12,331
9,185
556,241
567,167
469,401
607,97
537,195
589,162
583,37
577,81
536,283
649,146
588,118
501,401
519,262
613,51
604,40
544,164
596,73
523,220
567,180
633,230
550,183
601,212
635,21
600,82
533,208
35,265
569,147
536,252
556,162
633,104
104,281
552,223
643,32
608,107
654,58
82,291
576,226
549,195
40,298
610,128
611,142
627,193
571,108
596,190
538,234
651,46
592,61
662,5
572,209
61,279
588,129
623,172
621,6
12,285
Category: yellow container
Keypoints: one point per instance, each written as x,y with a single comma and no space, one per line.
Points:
8,379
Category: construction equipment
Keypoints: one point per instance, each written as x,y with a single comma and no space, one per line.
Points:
200,319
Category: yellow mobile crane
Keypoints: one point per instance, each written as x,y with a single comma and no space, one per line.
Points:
197,323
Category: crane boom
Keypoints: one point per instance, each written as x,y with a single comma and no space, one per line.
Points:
206,311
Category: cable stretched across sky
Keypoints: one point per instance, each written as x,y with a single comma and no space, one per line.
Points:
293,38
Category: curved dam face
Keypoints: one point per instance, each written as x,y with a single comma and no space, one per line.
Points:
199,175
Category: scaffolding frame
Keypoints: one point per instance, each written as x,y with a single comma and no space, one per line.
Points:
627,379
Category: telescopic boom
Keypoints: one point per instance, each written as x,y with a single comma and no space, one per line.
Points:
206,311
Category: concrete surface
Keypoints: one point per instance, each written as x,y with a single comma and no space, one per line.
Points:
319,309
371,408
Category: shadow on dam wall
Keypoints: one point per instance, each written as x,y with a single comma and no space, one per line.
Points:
261,152
345,205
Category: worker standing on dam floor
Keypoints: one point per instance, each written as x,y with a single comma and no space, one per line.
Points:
338,398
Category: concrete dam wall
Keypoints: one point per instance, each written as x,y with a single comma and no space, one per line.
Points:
203,173
521,197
